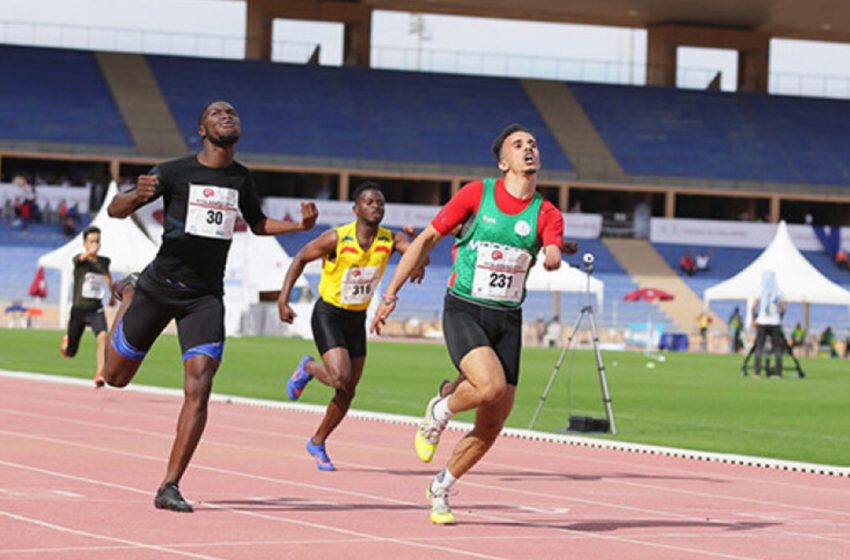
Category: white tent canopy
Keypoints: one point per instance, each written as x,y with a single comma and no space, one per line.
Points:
257,264
128,248
565,279
799,281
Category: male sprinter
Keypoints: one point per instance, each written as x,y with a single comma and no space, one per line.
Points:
482,316
354,259
202,194
92,281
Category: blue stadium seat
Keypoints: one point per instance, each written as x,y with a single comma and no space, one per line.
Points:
57,95
354,113
734,136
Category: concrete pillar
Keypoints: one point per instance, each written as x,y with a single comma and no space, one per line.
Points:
670,204
258,31
564,198
357,43
753,69
356,18
660,58
115,170
774,209
663,40
344,185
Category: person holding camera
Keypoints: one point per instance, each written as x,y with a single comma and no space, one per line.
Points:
769,309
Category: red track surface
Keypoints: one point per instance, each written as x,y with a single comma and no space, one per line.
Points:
78,468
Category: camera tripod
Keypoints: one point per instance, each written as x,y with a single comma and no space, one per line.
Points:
582,423
785,350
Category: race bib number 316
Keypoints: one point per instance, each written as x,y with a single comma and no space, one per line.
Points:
358,284
212,211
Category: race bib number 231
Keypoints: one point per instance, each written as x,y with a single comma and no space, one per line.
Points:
500,272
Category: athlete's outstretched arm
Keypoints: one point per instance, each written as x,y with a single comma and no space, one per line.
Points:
318,248
412,258
124,204
270,226
401,242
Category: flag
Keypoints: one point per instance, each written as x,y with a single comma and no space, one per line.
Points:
38,288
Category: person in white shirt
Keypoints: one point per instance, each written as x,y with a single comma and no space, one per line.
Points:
769,309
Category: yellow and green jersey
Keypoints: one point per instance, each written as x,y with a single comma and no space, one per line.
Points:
349,279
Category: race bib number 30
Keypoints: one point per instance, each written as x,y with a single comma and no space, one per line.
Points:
212,211
94,286
500,272
358,284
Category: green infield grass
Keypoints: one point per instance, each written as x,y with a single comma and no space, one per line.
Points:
692,401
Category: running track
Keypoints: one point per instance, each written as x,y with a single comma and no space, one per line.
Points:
78,468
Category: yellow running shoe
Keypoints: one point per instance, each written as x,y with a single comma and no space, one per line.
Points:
441,512
428,433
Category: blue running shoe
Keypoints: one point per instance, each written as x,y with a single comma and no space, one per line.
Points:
323,462
300,378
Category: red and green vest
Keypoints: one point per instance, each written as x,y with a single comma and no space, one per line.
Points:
493,258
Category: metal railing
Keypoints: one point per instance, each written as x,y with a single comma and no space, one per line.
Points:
397,58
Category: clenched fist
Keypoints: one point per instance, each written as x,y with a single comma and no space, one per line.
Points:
146,187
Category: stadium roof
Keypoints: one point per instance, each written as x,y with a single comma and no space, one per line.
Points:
824,20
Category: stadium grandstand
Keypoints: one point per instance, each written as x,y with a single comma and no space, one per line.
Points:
622,162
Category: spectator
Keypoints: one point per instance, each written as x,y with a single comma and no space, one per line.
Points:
25,214
46,212
798,340
687,264
769,309
735,324
8,211
702,260
826,344
703,320
841,259
552,338
642,214
70,221
539,330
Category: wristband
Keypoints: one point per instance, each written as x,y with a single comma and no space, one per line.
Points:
388,299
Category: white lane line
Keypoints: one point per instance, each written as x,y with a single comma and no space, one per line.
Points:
627,540
134,544
582,441
301,456
595,460
275,518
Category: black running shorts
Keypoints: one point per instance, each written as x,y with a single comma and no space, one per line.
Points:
334,327
156,301
80,319
468,325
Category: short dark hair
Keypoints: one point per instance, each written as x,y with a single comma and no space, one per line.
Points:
204,113
207,108
500,139
90,230
366,186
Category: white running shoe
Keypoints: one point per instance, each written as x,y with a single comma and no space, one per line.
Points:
441,512
428,433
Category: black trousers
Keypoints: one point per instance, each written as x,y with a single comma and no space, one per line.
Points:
774,333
